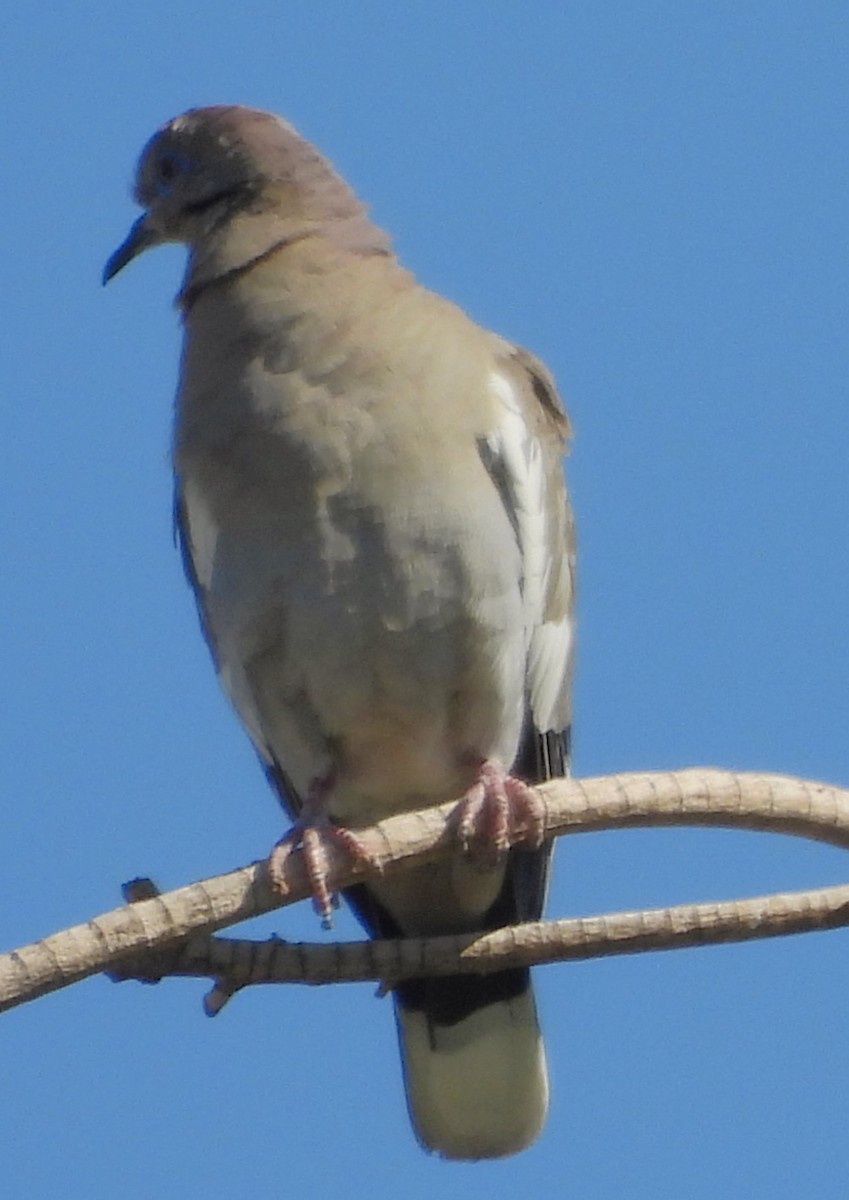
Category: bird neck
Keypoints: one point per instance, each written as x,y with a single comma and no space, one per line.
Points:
249,239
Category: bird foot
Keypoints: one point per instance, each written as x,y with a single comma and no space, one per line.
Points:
493,809
314,832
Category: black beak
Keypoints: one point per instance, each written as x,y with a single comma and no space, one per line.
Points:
140,238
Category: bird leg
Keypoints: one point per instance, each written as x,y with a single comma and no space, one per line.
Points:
493,808
314,831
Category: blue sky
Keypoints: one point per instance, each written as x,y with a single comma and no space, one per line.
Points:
651,196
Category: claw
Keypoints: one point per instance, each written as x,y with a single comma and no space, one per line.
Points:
314,832
492,809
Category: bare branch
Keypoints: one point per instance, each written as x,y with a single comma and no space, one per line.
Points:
692,797
235,963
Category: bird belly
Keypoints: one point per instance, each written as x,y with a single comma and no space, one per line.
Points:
382,650
396,718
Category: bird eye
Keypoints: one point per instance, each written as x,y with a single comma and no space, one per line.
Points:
168,167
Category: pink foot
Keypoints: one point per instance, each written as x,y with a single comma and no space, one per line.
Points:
314,832
495,806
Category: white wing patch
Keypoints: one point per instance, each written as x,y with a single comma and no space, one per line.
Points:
548,643
519,451
202,536
236,690
549,674
202,533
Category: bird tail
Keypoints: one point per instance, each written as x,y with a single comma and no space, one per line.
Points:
476,1087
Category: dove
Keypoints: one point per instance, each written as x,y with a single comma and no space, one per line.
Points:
371,506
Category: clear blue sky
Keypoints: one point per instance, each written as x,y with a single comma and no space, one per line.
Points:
653,197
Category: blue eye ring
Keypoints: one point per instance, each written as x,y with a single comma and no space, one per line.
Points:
168,167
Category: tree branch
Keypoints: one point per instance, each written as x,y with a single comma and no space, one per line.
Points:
693,797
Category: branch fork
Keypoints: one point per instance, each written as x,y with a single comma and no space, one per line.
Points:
158,934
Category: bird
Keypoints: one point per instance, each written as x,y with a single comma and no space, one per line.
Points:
372,511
